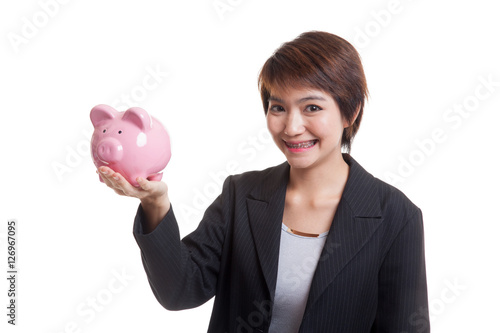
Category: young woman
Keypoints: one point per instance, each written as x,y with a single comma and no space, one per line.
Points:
315,244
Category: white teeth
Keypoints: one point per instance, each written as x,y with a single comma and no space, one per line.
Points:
306,144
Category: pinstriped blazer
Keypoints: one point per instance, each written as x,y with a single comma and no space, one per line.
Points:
370,276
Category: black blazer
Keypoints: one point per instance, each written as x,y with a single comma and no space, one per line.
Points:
370,276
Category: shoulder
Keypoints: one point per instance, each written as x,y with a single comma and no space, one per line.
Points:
398,211
388,201
393,199
373,198
268,178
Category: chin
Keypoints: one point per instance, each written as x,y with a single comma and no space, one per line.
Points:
298,163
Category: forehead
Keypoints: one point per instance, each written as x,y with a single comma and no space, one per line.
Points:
298,93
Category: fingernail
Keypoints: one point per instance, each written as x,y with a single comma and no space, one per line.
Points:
116,178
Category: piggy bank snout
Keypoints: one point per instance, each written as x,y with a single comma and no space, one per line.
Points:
109,150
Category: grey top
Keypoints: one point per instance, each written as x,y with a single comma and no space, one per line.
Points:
298,258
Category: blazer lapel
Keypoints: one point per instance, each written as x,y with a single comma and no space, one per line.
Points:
265,206
357,217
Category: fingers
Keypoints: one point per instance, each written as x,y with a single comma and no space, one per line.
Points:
106,175
121,186
144,183
116,181
148,188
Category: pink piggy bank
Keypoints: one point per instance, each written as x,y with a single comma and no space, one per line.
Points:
131,143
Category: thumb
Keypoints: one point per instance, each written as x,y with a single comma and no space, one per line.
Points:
144,183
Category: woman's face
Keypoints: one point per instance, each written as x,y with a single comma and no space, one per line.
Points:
306,125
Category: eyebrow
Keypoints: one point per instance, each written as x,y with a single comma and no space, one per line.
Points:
303,99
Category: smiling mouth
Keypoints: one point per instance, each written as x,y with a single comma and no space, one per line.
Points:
304,144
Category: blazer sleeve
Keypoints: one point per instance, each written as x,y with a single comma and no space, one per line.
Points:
402,300
183,273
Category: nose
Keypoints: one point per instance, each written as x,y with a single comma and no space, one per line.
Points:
110,150
294,124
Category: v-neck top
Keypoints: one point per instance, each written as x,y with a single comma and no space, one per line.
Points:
298,258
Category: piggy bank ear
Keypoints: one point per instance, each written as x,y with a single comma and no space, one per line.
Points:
102,113
138,117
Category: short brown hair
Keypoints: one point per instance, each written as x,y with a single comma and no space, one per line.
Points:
319,60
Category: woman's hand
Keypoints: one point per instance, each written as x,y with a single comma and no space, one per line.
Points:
153,195
148,190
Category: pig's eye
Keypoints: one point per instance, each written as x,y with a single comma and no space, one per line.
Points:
119,132
104,131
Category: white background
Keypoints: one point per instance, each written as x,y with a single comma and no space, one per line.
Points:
423,60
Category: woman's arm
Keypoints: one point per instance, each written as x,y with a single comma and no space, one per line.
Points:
182,273
155,209
402,301
153,196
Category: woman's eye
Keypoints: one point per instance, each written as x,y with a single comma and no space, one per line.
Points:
276,108
313,108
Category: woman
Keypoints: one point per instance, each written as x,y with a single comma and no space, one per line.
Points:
315,244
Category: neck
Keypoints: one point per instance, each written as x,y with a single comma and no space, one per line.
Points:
322,181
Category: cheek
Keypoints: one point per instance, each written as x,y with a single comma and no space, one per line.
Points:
273,125
329,127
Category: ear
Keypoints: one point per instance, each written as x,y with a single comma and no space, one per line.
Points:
346,122
100,113
138,117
